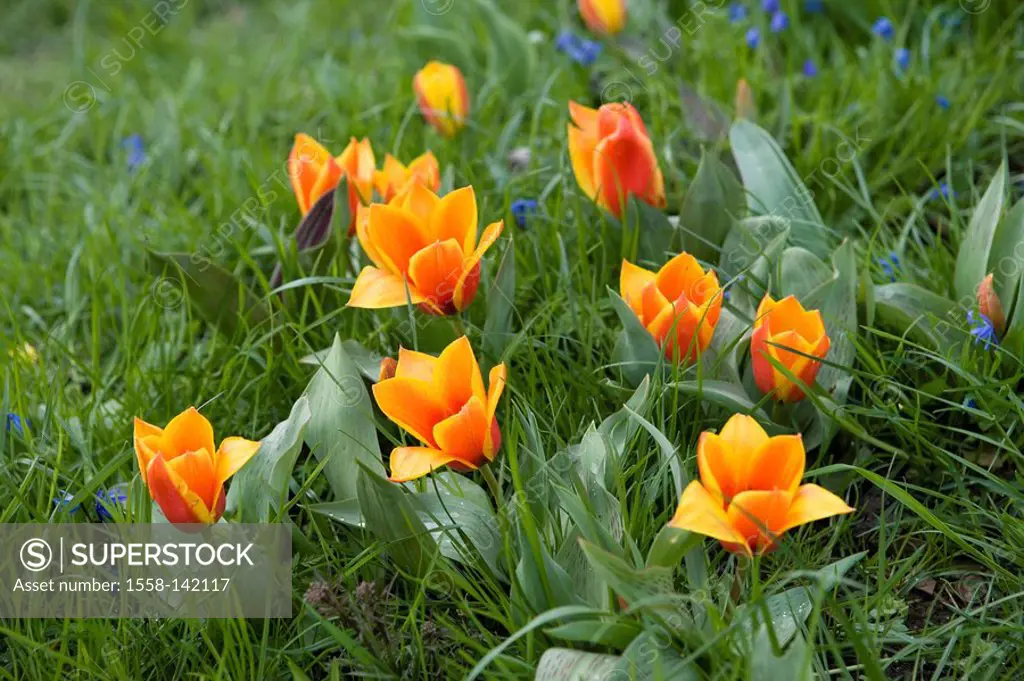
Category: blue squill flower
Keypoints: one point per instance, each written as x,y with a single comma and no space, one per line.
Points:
780,22
115,496
883,28
890,265
942,191
982,329
64,499
583,52
753,37
810,68
902,58
136,152
770,5
943,102
814,6
14,421
970,403
522,210
737,12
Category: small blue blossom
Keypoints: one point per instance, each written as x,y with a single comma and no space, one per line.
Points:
810,68
15,421
902,58
982,329
814,6
583,52
942,191
737,12
890,265
943,102
770,6
883,28
136,152
970,403
115,496
753,37
522,210
64,499
780,22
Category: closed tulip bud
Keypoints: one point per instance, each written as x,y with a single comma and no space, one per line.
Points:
442,402
183,471
612,156
749,493
679,305
424,249
745,106
314,172
604,17
990,305
795,339
395,177
442,97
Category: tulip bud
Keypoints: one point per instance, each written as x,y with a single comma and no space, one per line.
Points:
793,338
990,305
442,97
745,105
604,17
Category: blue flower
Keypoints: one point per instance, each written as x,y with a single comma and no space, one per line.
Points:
136,152
814,6
753,37
780,22
64,499
890,265
883,28
943,190
770,5
982,329
115,496
970,403
583,52
522,209
903,58
810,68
943,102
15,421
737,13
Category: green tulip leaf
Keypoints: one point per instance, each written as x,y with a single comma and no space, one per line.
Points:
714,201
976,246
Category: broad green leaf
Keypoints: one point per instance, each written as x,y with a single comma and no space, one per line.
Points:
750,240
1006,263
545,584
610,633
654,232
729,396
670,545
704,117
636,354
636,585
620,428
431,42
501,297
341,430
389,514
838,304
345,512
367,360
461,527
512,59
774,188
651,657
976,245
792,665
910,309
263,482
218,296
801,273
712,204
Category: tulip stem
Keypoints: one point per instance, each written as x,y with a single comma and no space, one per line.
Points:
492,485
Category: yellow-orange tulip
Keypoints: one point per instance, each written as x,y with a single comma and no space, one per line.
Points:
395,176
314,172
442,96
791,336
612,156
185,474
425,243
990,305
749,493
679,305
605,17
745,105
442,402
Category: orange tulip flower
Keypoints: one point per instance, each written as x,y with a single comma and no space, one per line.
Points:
425,243
612,156
442,96
314,172
395,176
441,401
185,474
990,305
791,336
749,493
679,305
605,17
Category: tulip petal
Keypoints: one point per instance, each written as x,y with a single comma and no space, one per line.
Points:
777,464
178,503
375,289
811,503
397,235
189,431
744,431
305,163
413,405
435,271
633,279
701,513
455,217
326,181
760,516
495,387
624,165
419,200
720,465
462,435
463,297
234,452
145,436
409,463
581,154
363,234
197,472
416,365
682,276
458,376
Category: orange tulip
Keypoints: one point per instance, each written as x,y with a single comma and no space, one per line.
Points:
605,17
745,106
395,176
791,336
990,305
314,172
442,97
679,306
441,401
425,243
749,493
612,156
185,474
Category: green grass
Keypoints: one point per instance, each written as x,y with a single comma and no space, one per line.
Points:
217,95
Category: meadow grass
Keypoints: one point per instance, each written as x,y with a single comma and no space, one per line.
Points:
929,445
